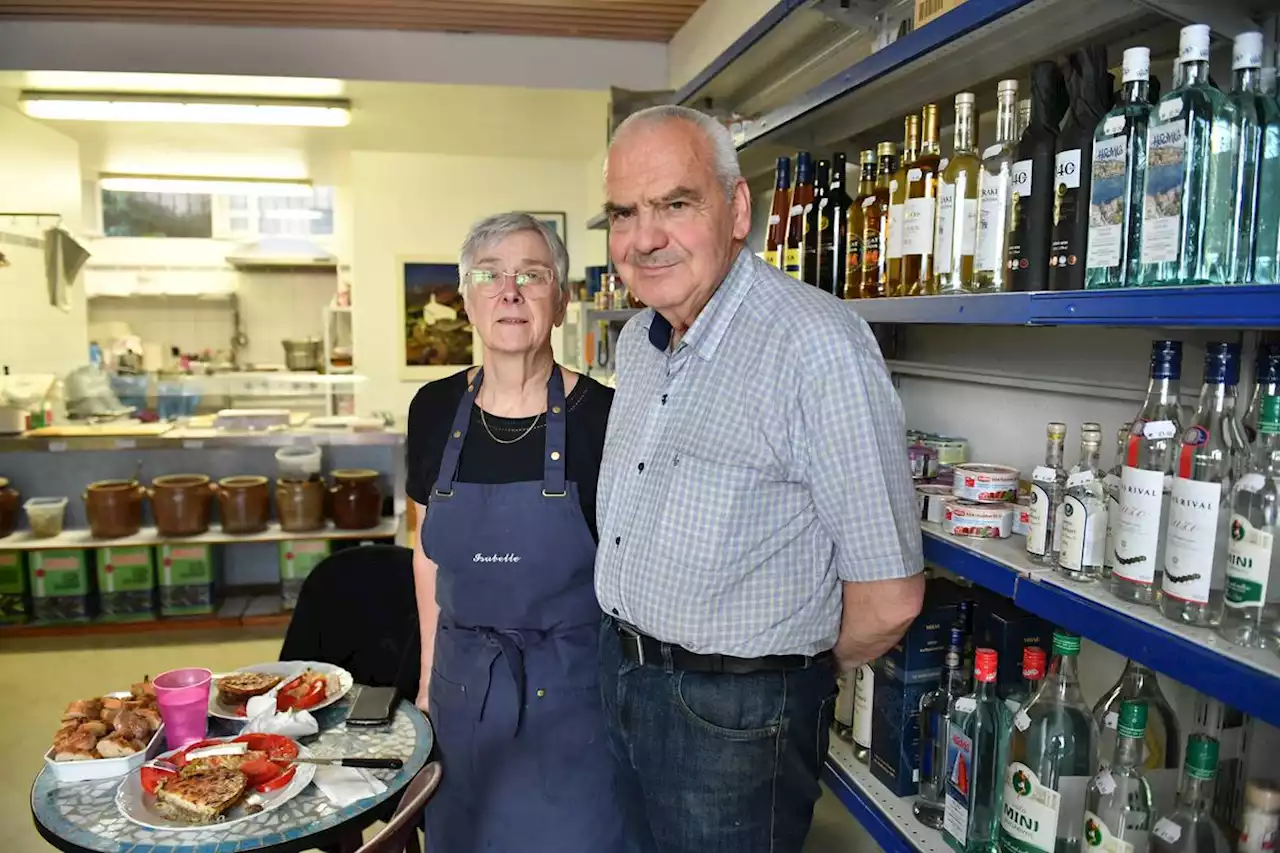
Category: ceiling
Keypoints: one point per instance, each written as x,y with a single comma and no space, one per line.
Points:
640,20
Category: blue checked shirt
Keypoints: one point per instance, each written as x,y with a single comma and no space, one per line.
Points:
751,470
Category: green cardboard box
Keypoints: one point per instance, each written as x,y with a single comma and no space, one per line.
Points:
59,581
126,583
13,588
297,559
186,579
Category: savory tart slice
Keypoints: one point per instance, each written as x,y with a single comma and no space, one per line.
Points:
200,797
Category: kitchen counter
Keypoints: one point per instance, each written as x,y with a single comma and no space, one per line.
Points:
188,438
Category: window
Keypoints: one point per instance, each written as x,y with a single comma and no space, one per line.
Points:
227,217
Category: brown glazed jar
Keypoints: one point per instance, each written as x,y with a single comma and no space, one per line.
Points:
182,504
355,499
114,508
244,502
8,507
300,504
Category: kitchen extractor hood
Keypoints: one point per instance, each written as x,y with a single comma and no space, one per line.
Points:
281,253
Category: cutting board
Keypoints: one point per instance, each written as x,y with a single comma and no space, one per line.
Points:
124,428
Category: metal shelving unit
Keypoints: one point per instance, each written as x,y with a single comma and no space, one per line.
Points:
22,540
886,817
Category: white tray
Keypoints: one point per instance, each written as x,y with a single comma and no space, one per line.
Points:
104,768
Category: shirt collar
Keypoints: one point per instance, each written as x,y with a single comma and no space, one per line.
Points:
709,328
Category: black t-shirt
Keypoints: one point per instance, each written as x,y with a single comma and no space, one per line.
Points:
487,461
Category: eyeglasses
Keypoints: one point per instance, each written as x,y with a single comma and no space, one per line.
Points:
535,282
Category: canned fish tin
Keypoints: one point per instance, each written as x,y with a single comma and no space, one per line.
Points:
932,501
985,484
980,521
951,451
1022,515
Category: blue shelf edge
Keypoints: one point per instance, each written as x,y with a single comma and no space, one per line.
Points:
873,820
987,309
1001,580
735,51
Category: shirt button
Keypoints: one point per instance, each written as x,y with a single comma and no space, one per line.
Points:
617,540
640,466
615,611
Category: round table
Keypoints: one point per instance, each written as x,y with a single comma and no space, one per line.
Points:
81,817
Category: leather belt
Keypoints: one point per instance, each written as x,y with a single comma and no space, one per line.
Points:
643,649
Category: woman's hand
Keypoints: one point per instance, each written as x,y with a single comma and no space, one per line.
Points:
421,702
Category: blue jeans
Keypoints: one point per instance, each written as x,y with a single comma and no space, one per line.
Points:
715,763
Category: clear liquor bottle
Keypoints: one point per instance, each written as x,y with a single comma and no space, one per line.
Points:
1024,116
1048,482
1053,752
1146,480
956,234
1251,612
1266,377
1191,828
1247,101
1084,515
1111,483
1033,668
1118,806
935,717
1266,261
993,194
1119,173
1199,507
842,724
898,204
977,750
922,204
1162,749
864,688
1187,191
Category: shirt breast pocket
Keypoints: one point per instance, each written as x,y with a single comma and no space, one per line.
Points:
707,513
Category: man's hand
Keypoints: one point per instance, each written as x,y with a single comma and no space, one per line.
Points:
876,614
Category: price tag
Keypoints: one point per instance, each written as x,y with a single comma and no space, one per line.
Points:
1044,474
797,209
1156,430
192,444
1021,721
1170,109
1079,478
1105,783
992,150
1252,482
1113,125
125,444
914,175
1167,831
1112,720
868,201
774,219
966,704
57,446
1111,481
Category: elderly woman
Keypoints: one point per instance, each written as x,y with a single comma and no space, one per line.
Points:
502,461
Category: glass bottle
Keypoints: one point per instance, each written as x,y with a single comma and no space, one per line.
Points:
922,201
834,231
1146,480
956,233
1266,261
1248,119
1111,484
1261,824
1031,192
1163,739
935,717
1084,515
801,201
898,203
1119,172
842,722
993,194
1033,667
1199,507
1053,752
1024,117
977,750
776,239
1251,611
851,279
1118,808
1266,379
1191,828
864,688
817,211
1187,189
1048,482
875,227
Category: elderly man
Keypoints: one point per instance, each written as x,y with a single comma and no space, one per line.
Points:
758,527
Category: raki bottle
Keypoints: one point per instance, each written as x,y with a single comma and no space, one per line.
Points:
1047,484
977,749
1266,377
1195,555
1033,667
1163,746
935,718
1248,119
1111,483
1266,261
1118,806
1191,828
1084,515
1146,480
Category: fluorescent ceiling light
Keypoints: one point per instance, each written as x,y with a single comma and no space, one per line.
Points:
87,106
202,185
184,84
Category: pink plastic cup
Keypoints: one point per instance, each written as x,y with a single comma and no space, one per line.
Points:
183,697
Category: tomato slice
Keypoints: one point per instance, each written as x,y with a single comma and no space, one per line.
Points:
179,759
278,782
153,774
277,747
260,772
313,697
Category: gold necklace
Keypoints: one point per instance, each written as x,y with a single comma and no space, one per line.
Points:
485,423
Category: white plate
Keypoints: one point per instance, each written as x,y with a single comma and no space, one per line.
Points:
340,683
139,806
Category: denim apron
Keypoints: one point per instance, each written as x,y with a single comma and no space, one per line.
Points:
515,696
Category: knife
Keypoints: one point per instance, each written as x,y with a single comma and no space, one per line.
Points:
371,763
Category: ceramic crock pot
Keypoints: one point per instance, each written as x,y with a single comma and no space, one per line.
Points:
355,499
300,504
114,508
182,504
8,506
244,503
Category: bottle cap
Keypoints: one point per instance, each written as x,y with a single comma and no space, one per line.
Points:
984,665
1222,363
1056,429
1067,645
1090,426
1166,359
887,149
1133,719
1202,757
1247,51
964,98
1033,660
1193,44
1269,417
1007,87
1267,369
1262,795
1137,64
784,172
867,158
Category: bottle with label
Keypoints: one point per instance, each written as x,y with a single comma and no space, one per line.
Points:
1084,515
1091,96
1266,377
1117,179
1188,184
935,718
874,279
801,201
1266,259
898,204
1024,119
833,230
1048,484
1195,554
922,203
811,272
1248,120
1032,184
1118,810
1191,828
1163,739
1053,752
1146,480
1033,667
956,231
851,282
842,722
1261,824
775,240
1111,484
864,688
1251,604
977,751
993,194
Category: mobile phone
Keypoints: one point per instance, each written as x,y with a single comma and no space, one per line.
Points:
373,706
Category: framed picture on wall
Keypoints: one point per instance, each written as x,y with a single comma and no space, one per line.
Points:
433,320
557,222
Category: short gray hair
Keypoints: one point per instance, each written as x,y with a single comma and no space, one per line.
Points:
496,228
728,170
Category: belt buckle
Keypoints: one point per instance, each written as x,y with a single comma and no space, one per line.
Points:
628,634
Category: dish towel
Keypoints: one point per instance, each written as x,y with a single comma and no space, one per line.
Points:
342,786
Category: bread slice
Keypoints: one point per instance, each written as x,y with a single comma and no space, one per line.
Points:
200,797
119,745
242,686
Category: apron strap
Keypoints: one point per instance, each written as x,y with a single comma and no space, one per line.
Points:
457,435
553,477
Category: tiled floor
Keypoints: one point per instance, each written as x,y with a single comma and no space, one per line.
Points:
39,678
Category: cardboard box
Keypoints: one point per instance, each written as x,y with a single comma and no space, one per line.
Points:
59,585
1001,625
895,729
297,559
186,579
928,10
13,588
126,583
924,646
